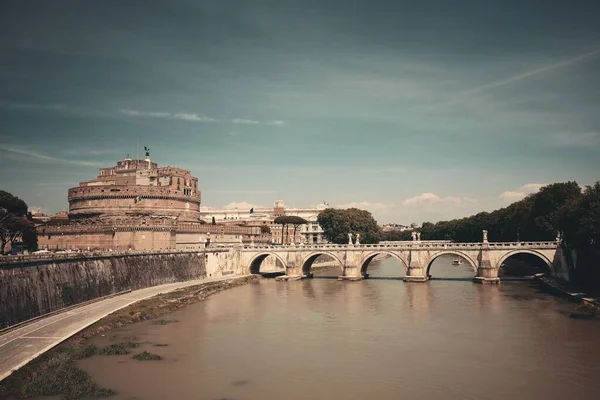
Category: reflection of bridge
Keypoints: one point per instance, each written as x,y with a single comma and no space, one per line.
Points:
485,258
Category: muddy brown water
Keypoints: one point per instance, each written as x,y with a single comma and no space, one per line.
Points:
374,339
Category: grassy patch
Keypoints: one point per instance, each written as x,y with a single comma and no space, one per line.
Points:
117,349
145,356
60,376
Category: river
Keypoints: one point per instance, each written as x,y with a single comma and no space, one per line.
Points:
374,339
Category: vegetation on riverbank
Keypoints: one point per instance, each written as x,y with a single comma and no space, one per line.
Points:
56,373
559,207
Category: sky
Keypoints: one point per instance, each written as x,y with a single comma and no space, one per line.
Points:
414,110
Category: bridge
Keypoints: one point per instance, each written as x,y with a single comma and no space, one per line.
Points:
484,257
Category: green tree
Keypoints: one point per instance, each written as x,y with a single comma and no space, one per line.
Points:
264,229
15,223
337,224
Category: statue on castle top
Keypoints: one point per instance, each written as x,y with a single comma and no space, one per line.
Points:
147,150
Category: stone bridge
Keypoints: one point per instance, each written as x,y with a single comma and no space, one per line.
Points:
485,258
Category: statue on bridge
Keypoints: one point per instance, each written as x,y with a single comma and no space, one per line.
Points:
485,238
414,235
418,236
350,239
357,239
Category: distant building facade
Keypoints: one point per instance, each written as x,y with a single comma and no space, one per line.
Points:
140,206
308,233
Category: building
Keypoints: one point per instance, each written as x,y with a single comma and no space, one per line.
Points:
140,206
395,227
257,217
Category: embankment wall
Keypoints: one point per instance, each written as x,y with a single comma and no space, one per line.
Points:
36,285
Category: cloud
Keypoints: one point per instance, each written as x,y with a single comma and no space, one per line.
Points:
492,85
193,117
365,205
521,192
42,157
245,121
240,206
432,198
184,116
257,122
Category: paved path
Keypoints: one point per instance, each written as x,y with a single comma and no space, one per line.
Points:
23,344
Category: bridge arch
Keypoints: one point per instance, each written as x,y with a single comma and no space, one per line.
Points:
466,257
308,261
536,253
256,261
364,263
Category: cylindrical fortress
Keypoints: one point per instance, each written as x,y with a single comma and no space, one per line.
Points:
137,189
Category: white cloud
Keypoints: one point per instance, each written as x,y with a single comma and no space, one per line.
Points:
42,157
240,206
193,117
246,121
432,198
185,116
276,123
520,193
365,205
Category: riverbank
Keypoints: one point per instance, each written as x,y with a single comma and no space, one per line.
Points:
590,305
55,372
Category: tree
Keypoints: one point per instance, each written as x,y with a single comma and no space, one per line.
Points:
264,229
15,223
213,221
286,220
337,224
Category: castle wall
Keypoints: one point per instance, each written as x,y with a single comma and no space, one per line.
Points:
132,201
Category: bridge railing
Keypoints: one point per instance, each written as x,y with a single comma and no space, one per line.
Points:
407,245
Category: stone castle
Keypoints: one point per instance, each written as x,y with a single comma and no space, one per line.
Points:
137,205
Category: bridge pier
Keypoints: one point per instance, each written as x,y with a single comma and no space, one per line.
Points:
415,274
351,274
487,275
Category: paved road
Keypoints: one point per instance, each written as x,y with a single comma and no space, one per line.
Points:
23,344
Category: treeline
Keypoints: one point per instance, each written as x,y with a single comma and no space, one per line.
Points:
559,207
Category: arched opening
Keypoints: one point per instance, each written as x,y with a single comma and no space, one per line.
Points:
267,264
523,263
451,265
322,265
383,265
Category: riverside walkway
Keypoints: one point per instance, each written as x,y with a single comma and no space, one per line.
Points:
21,344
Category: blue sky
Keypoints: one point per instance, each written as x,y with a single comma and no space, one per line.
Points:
416,111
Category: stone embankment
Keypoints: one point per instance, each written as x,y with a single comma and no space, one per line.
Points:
34,286
562,289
